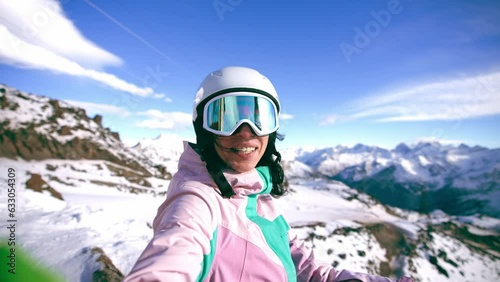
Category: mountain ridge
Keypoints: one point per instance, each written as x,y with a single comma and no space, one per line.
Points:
469,175
37,127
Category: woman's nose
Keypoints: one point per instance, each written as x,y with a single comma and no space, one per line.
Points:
245,131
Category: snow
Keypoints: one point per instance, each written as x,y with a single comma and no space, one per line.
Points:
296,169
423,160
408,166
31,109
349,252
454,158
484,222
164,149
454,258
468,173
58,232
67,120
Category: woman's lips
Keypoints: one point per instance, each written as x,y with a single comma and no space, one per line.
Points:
244,150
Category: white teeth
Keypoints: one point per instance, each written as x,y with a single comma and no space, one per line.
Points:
245,150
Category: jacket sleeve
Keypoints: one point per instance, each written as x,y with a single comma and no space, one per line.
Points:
183,229
309,270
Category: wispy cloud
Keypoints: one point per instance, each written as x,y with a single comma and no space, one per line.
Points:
155,119
465,98
36,34
96,108
330,119
165,120
43,23
284,116
431,139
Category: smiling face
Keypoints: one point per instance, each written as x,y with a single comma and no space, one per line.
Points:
242,150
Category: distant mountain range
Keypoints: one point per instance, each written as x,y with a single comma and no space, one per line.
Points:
423,177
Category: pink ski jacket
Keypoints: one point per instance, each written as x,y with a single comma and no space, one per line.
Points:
201,236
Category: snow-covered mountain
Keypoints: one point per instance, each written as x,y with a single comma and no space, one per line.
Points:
423,177
89,208
35,128
164,149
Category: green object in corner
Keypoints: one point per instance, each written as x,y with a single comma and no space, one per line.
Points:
19,266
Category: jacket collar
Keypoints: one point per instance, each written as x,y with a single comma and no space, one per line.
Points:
256,181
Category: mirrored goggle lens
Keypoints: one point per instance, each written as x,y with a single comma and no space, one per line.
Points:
225,114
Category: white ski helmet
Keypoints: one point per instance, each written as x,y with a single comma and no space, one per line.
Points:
233,79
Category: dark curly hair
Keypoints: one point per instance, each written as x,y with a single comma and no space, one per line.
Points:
272,158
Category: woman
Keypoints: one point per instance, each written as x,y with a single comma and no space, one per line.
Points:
219,222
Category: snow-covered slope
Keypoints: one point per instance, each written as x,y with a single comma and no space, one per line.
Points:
100,208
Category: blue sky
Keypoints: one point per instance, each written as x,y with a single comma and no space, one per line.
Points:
372,72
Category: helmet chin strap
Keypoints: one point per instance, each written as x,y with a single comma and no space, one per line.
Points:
221,181
217,174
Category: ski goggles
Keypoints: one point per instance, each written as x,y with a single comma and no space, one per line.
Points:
223,114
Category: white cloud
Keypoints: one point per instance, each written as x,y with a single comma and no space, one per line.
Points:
439,140
43,23
165,120
36,34
329,119
469,97
95,108
284,116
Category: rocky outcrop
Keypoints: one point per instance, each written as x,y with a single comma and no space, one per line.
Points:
98,267
98,119
107,271
37,184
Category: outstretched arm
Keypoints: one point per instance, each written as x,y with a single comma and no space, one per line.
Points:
181,238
